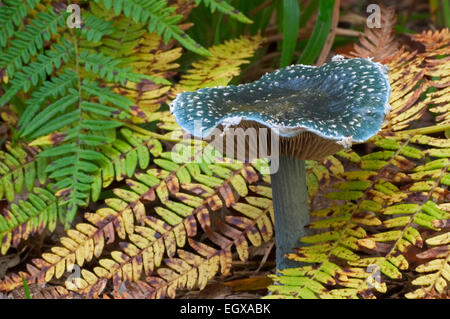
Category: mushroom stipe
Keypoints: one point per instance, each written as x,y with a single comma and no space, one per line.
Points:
315,112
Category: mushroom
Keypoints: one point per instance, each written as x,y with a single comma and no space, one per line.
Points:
314,112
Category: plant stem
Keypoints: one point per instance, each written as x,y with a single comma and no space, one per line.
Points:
290,201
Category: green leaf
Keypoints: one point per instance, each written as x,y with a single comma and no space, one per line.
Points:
320,33
291,23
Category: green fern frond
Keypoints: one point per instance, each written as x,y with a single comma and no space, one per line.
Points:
38,70
123,157
125,38
75,124
26,218
28,42
56,86
95,28
11,14
158,17
76,146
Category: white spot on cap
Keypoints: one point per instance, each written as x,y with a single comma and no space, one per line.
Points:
346,142
337,58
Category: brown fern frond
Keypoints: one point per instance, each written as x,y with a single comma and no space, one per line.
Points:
419,83
38,291
406,77
438,71
436,42
379,44
440,102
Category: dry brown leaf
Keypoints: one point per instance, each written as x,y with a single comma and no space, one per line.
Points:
379,44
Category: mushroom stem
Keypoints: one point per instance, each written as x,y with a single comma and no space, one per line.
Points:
290,201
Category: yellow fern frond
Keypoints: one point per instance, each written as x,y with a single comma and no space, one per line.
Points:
180,196
435,273
146,53
151,57
222,66
374,219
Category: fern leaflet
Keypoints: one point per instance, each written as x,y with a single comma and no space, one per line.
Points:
158,16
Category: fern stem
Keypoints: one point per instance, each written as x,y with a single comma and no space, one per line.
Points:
72,208
426,130
290,200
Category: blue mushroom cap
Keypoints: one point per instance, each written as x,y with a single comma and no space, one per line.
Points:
343,99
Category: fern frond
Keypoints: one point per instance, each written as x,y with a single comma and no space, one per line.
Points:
38,70
145,53
439,72
319,174
109,69
124,39
147,244
436,272
374,220
75,150
19,167
223,64
408,83
441,106
151,57
11,14
419,82
126,154
378,43
39,292
29,41
26,218
56,86
158,17
95,28
436,42
176,203
83,125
